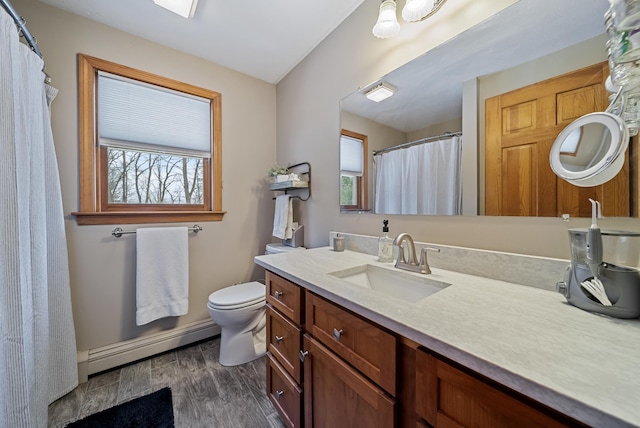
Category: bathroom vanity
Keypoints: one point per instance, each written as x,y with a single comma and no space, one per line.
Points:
474,352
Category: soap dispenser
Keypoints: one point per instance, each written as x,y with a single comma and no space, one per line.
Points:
385,244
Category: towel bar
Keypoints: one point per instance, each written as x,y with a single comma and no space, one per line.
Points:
118,232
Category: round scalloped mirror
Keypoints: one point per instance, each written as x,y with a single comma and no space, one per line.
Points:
590,150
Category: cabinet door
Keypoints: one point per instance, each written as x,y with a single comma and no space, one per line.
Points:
336,395
361,343
284,393
448,397
284,342
285,296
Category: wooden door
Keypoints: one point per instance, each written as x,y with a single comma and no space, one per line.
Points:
336,395
521,127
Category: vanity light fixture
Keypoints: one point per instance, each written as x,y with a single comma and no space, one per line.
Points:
414,11
387,25
184,8
380,92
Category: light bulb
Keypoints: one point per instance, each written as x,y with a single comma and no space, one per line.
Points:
415,10
387,25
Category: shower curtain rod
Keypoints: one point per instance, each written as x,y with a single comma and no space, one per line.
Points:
22,26
420,141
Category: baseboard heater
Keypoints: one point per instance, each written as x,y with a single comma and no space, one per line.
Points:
118,354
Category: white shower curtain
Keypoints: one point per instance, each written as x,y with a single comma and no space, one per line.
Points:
37,338
420,179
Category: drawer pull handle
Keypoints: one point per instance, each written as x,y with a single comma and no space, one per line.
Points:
279,339
279,394
303,354
337,334
277,294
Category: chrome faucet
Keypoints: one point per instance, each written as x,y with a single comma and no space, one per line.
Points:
412,264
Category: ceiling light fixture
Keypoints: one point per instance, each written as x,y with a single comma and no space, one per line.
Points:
387,25
414,11
184,8
380,92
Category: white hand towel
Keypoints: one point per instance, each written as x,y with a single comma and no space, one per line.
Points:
283,217
162,273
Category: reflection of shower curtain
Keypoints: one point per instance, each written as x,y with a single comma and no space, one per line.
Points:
420,179
37,338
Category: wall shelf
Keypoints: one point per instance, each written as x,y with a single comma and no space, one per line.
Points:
303,169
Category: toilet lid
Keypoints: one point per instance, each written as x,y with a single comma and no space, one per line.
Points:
240,294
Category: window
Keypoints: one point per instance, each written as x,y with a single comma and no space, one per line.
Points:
353,171
150,147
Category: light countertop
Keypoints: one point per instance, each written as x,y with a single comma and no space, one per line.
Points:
584,365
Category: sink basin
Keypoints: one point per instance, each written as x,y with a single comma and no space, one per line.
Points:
392,282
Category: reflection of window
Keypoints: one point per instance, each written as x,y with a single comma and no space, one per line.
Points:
149,148
353,170
571,144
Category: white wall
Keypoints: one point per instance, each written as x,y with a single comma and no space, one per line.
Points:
102,267
308,130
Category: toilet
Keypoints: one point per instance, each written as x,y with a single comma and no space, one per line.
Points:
240,311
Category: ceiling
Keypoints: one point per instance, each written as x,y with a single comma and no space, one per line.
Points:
429,88
264,39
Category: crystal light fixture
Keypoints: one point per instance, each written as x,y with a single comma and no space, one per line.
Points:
387,25
184,8
413,11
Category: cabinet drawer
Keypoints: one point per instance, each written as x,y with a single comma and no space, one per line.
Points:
284,343
285,395
285,296
447,396
336,395
364,345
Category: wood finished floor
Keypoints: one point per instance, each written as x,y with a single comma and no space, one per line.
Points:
205,394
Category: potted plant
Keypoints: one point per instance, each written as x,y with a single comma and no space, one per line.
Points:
278,174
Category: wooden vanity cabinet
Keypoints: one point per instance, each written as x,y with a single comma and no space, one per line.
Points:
284,393
284,343
285,311
363,344
328,367
285,296
336,395
349,368
451,396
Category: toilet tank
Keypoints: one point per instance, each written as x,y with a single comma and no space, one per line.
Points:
281,248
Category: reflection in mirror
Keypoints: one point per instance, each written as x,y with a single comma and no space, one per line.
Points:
421,177
584,147
353,171
483,61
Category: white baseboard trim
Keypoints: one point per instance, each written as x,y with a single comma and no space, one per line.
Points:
117,354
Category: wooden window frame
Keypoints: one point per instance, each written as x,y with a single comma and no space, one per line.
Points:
94,205
362,182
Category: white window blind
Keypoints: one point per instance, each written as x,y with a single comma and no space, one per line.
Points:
144,117
351,156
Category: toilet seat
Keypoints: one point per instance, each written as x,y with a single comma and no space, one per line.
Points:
238,296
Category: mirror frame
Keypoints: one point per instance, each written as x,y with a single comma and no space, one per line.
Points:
610,164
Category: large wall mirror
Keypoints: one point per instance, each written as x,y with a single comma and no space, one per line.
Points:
445,90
